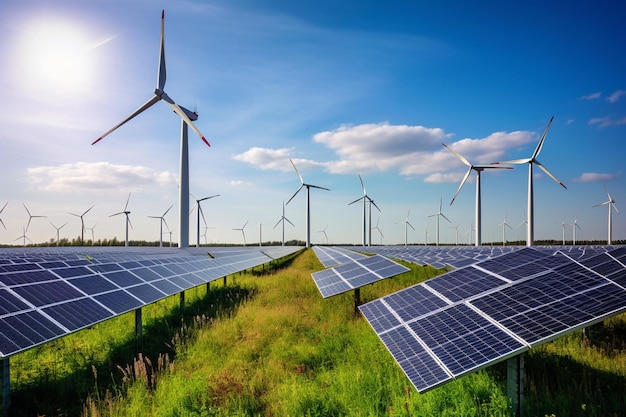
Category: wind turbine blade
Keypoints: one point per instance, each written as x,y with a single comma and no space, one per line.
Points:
294,194
297,172
362,186
515,161
207,198
127,200
467,174
410,225
544,169
3,225
317,186
185,118
602,204
444,216
465,161
278,222
129,222
377,208
145,106
543,137
3,207
358,199
605,189
244,226
162,72
87,211
202,215
289,221
193,207
168,210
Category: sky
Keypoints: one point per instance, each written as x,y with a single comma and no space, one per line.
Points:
369,88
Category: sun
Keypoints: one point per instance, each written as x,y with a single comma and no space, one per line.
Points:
55,56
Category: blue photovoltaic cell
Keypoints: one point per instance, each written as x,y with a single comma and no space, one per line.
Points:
146,274
146,293
75,271
78,314
118,301
464,283
379,316
123,278
9,303
92,284
414,302
18,278
47,293
105,267
166,287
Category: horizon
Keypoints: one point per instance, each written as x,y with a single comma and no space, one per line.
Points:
370,89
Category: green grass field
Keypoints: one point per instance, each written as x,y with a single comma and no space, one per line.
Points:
267,344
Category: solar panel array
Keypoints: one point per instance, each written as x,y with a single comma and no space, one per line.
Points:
356,270
48,293
478,315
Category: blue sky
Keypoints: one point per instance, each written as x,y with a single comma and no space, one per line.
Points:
343,88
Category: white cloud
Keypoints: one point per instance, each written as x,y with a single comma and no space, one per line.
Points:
409,150
591,96
615,96
607,121
595,177
98,177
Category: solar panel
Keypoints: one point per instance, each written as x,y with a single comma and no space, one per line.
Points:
331,256
355,274
481,314
46,293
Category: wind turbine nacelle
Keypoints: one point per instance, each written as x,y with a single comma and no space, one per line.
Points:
191,114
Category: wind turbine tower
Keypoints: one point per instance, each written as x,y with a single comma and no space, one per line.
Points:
82,224
574,227
530,233
242,232
478,169
57,229
128,223
407,224
611,204
187,119
200,213
308,202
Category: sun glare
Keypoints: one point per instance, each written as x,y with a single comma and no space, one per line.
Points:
55,56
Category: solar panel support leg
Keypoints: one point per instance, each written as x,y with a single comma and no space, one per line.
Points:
224,280
515,383
208,287
5,367
357,300
182,302
138,322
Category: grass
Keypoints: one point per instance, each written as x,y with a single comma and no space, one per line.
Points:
267,344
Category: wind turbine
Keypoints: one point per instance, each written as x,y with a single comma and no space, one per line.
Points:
24,237
58,229
82,224
478,169
574,227
379,231
93,238
242,232
504,225
260,234
3,207
30,216
457,233
366,199
161,224
200,212
469,234
283,219
187,117
530,161
308,202
563,224
128,223
611,203
325,235
437,215
406,226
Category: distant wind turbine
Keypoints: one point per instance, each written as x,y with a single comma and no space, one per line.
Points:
82,224
243,232
57,229
574,227
530,161
200,213
611,204
128,223
162,218
563,224
504,225
407,224
1,210
456,228
283,219
437,215
366,199
380,232
469,233
308,202
187,117
260,234
478,169
93,237
324,232
30,216
24,237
